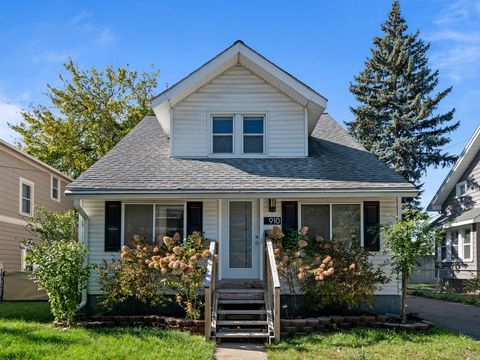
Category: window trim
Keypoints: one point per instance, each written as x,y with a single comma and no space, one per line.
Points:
461,243
237,133
243,116
212,135
457,187
301,203
52,177
122,228
23,181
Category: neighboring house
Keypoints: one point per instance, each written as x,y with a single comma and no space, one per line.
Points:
235,147
25,183
458,201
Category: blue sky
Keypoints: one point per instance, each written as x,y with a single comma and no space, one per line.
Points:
323,43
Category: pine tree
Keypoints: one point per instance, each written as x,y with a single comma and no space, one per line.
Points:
396,118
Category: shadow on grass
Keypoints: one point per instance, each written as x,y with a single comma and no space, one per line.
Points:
30,311
38,335
356,338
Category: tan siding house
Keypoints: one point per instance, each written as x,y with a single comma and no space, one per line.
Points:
458,201
25,183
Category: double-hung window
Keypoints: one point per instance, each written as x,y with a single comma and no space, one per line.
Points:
461,189
253,134
26,197
454,243
222,134
152,222
467,245
55,189
340,222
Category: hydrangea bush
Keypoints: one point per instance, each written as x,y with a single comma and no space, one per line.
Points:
145,273
330,274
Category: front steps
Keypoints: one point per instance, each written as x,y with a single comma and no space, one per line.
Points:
241,311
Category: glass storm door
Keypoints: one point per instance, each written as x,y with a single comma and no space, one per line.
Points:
242,244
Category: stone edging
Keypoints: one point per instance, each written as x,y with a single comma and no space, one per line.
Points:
299,327
154,321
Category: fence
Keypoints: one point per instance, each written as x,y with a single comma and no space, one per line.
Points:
16,286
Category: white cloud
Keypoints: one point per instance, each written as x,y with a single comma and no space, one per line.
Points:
106,37
9,114
457,40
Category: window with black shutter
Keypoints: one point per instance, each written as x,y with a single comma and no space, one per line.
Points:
371,225
113,219
289,216
194,217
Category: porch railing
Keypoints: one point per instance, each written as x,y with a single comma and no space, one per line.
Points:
210,284
273,287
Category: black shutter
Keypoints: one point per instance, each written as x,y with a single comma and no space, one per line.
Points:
194,217
113,219
371,225
289,216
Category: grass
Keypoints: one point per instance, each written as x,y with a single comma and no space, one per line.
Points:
430,291
27,333
377,344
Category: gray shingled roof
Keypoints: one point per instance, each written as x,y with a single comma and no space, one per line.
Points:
468,215
140,163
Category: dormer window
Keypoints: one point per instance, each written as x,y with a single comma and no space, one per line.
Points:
253,134
222,131
461,189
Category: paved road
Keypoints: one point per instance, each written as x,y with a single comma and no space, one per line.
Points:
462,318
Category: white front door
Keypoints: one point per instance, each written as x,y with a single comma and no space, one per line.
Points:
240,243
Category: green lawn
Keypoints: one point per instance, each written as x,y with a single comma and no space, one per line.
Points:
430,291
26,333
377,344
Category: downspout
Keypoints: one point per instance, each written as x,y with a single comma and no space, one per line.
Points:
83,238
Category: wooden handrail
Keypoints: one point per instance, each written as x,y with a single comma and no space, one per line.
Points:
273,286
210,283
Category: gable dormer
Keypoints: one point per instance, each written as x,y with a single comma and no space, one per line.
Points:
239,104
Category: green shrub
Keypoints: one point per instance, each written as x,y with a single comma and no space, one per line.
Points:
57,260
473,285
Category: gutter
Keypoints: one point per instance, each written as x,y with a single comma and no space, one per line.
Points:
83,237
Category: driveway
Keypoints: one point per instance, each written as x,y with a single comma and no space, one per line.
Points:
462,318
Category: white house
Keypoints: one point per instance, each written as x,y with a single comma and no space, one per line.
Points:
235,147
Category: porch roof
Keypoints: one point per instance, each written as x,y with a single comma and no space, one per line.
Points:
140,164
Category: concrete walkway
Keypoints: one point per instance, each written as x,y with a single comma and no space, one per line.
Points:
242,351
461,318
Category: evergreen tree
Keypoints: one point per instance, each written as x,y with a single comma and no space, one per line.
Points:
396,118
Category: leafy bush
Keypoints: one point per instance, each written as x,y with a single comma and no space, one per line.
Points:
473,285
58,261
145,272
129,282
328,273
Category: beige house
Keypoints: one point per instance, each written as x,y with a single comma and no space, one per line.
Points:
25,183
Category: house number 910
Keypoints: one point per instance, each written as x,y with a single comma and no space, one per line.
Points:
272,220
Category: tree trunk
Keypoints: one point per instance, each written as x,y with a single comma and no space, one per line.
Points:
404,299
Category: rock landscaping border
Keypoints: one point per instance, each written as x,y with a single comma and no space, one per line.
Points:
153,321
301,327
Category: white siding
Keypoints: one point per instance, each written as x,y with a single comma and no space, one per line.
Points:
239,90
388,214
95,210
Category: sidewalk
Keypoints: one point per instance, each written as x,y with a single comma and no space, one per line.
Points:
242,351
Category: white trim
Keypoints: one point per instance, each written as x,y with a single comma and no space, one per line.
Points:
457,188
153,203
12,220
261,236
184,86
460,244
224,194
460,223
263,134
330,204
23,181
59,188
